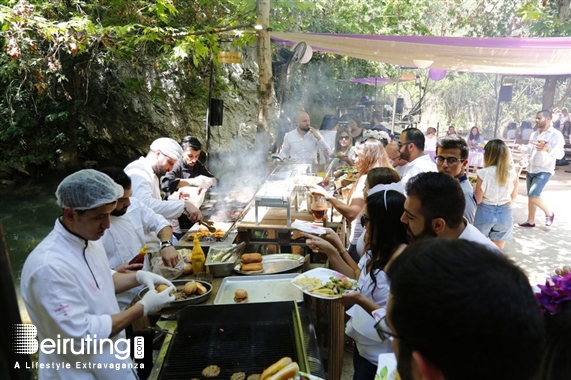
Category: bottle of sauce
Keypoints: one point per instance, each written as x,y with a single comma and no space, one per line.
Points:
140,258
197,257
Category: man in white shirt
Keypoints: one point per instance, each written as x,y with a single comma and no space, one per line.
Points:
164,153
545,146
303,143
434,207
411,148
69,289
131,222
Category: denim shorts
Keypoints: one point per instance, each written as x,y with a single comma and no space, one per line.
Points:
536,182
495,222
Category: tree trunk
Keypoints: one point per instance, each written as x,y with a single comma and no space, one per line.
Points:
549,92
265,86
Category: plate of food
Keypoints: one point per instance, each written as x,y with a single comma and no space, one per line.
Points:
188,292
387,367
255,263
324,283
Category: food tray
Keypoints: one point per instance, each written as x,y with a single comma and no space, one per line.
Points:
277,263
189,301
260,289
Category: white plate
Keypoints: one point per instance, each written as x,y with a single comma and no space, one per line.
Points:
308,227
387,367
322,274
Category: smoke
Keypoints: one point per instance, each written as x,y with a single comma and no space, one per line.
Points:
240,172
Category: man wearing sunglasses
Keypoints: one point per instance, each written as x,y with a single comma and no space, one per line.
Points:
458,311
452,158
411,148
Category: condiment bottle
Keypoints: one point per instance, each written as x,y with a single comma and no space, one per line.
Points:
197,256
140,258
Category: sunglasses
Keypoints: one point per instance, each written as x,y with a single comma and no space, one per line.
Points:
343,137
449,160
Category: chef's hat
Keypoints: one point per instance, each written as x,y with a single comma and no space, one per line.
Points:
168,147
87,189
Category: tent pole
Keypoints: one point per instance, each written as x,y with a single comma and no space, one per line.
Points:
395,101
497,105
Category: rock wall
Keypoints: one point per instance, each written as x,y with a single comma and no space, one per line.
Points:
131,106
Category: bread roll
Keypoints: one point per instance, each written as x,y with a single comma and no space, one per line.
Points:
240,295
252,267
201,288
248,258
288,372
161,287
275,368
190,288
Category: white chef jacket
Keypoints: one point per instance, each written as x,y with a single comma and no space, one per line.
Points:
68,290
540,162
419,165
361,326
127,235
302,148
145,186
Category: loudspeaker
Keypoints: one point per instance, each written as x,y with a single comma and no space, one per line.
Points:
216,111
506,93
400,105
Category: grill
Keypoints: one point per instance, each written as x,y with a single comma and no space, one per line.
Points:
278,190
241,338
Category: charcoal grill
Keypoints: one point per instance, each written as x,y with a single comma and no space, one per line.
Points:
240,338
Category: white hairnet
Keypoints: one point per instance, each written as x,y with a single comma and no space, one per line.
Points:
87,189
168,147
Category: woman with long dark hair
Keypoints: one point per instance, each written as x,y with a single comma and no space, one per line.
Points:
386,239
475,139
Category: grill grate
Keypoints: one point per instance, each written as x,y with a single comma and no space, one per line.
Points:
233,346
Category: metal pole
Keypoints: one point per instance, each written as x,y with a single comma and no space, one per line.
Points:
395,100
208,105
497,105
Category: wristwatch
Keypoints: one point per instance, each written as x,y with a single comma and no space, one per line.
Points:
166,243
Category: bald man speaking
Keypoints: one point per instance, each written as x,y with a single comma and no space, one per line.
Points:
303,143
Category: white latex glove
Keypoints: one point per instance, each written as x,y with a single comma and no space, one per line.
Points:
153,301
150,279
204,182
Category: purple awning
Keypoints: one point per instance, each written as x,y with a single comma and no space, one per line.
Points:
516,56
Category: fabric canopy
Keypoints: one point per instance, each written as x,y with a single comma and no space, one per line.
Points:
516,56
373,81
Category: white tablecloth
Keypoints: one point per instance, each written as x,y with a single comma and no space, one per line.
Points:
476,159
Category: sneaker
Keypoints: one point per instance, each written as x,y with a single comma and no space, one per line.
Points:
526,224
549,220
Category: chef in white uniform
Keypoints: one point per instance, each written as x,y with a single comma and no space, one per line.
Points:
69,289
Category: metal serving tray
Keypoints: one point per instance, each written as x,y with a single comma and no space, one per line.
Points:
273,288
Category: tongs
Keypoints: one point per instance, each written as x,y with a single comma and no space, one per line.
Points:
208,225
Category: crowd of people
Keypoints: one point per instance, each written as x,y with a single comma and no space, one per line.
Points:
425,247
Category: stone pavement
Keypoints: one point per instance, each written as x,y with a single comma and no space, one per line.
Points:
538,250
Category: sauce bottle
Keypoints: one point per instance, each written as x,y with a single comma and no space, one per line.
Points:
140,258
197,257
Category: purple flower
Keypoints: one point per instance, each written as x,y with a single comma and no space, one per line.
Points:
553,294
